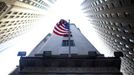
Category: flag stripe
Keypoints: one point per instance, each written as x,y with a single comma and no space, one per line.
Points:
60,34
56,29
61,28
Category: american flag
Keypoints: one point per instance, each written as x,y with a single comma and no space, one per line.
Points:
61,28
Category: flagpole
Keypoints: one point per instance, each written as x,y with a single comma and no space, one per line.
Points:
69,41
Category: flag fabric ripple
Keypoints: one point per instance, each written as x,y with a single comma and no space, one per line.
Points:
61,28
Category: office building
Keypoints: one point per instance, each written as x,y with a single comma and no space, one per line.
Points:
57,55
18,16
113,21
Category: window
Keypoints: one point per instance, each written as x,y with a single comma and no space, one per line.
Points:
131,40
68,35
15,12
66,43
3,7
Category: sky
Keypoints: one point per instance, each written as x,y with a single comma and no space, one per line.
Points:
62,9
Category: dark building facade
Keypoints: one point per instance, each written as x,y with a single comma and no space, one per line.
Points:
114,23
47,64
